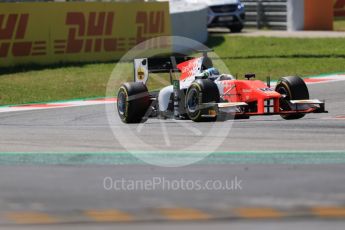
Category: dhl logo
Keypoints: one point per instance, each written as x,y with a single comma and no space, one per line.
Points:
48,33
86,33
339,7
93,32
12,33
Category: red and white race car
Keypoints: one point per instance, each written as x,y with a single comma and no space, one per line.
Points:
204,94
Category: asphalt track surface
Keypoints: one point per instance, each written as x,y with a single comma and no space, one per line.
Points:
282,165
86,129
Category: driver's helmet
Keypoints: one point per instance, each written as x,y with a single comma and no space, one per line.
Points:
211,73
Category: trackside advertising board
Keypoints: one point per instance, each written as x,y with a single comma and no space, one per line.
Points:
47,33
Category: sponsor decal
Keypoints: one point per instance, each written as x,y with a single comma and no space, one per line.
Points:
13,28
190,68
266,89
141,70
45,33
93,32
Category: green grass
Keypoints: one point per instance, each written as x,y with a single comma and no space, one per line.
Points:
339,24
54,84
273,57
278,57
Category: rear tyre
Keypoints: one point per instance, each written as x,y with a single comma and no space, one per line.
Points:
292,88
201,91
133,101
236,29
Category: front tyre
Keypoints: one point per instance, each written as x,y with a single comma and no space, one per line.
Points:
291,88
133,101
201,91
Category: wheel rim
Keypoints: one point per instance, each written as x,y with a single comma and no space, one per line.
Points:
283,91
193,100
284,105
121,102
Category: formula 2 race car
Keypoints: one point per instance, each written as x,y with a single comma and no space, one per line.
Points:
202,94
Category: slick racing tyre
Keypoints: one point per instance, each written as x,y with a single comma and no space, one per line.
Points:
292,88
133,101
201,91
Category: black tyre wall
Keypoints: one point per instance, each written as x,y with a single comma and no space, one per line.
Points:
138,102
296,89
209,93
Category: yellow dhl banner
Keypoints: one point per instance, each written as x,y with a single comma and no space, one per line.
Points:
339,8
45,33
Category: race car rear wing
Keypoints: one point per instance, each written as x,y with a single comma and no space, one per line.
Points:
144,66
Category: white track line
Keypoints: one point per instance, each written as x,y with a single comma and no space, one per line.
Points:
55,105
